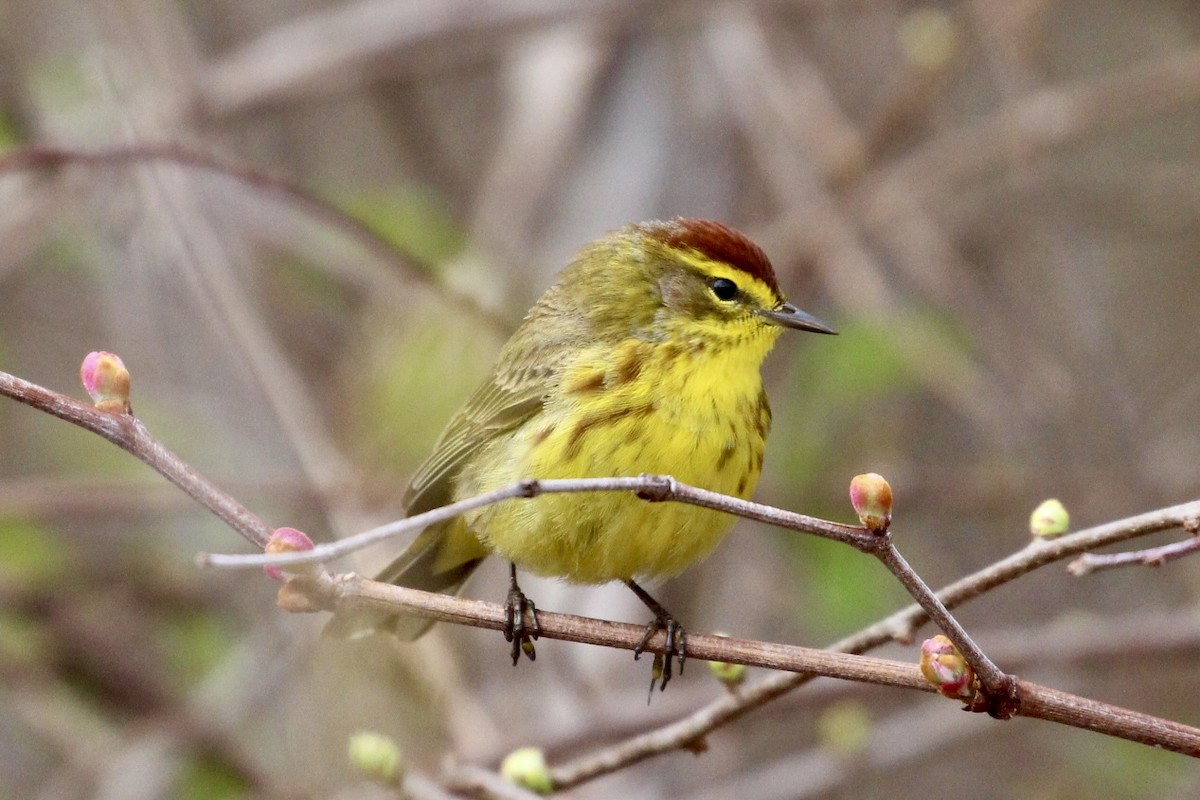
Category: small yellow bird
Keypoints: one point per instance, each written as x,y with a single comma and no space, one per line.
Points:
644,357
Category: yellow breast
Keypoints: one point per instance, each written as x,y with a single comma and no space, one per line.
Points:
640,407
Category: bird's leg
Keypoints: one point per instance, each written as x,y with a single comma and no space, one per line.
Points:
675,646
515,629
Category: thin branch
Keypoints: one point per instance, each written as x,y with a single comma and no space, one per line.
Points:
45,157
486,784
653,488
323,591
999,689
1150,557
1081,712
1036,701
128,433
1038,553
899,626
997,686
419,787
330,45
349,590
1048,118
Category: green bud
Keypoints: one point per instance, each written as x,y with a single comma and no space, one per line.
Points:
376,756
729,674
732,675
527,768
1049,519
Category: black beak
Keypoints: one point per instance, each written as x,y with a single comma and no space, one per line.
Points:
789,316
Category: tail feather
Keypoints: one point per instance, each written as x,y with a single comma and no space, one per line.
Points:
440,560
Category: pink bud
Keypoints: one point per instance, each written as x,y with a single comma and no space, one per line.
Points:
287,540
944,667
106,381
871,497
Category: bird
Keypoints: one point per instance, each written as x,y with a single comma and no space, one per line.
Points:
644,357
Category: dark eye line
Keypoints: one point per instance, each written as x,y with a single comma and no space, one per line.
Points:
723,288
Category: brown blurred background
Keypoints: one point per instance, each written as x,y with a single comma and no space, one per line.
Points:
997,202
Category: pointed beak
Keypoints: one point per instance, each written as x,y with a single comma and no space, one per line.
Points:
789,316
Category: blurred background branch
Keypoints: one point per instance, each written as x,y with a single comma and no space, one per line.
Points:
997,203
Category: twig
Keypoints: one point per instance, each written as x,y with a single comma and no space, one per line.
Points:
655,488
1048,118
349,590
43,157
1150,557
128,433
323,47
900,626
325,591
999,689
1037,553
1036,701
484,783
997,686
419,787
1081,712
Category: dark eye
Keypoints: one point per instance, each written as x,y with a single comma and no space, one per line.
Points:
723,288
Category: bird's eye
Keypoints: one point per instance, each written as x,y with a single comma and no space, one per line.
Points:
723,288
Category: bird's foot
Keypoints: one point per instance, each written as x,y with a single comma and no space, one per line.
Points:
674,647
516,629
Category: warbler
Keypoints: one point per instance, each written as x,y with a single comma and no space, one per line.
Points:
644,357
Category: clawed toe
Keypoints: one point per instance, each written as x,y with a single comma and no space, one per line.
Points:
675,647
516,629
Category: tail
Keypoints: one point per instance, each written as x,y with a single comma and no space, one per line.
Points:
439,560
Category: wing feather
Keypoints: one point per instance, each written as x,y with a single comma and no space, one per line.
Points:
504,402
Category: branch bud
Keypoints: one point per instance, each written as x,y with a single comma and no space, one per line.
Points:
1049,519
527,768
732,675
871,497
107,381
376,756
288,540
944,667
